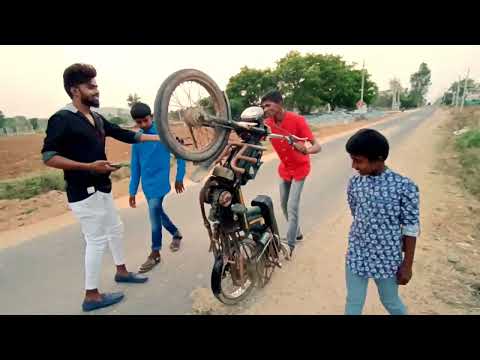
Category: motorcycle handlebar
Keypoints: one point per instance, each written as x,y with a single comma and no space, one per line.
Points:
290,138
239,155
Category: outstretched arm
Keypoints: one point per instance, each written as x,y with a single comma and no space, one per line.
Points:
181,167
126,136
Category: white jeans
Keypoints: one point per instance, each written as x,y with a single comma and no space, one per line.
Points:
100,224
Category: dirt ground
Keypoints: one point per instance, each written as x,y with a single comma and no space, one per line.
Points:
446,274
21,157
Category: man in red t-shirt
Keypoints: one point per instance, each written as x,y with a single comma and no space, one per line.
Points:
294,160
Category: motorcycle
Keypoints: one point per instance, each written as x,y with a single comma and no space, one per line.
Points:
194,120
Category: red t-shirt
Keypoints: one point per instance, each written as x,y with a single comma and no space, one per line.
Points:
293,164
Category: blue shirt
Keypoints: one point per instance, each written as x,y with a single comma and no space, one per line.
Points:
150,161
384,209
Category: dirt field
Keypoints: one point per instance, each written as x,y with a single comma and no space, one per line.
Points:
21,155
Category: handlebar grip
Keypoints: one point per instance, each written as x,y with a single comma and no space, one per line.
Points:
296,138
289,138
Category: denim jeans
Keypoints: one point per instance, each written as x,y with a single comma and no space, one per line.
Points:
357,292
290,194
158,218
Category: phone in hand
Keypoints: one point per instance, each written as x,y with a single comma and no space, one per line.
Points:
118,165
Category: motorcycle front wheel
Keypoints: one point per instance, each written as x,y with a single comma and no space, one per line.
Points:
185,97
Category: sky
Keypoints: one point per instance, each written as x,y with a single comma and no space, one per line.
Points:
31,76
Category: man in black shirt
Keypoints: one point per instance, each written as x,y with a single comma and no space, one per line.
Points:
75,143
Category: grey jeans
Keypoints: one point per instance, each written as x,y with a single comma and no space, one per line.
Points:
290,193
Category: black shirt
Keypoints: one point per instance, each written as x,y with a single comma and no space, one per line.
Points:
71,135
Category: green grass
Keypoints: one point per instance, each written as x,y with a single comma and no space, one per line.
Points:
26,188
37,184
468,140
468,148
470,161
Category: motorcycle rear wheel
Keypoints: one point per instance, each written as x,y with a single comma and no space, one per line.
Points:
223,283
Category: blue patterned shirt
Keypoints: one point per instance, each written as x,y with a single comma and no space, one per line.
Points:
384,209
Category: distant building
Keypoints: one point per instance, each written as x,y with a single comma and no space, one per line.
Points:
473,98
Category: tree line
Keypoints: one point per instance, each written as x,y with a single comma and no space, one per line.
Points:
412,97
311,82
308,82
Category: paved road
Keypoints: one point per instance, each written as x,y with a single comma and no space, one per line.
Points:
45,275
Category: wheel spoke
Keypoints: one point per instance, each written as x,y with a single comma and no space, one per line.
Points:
187,102
188,94
177,100
193,137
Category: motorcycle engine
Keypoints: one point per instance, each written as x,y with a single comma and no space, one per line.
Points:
220,200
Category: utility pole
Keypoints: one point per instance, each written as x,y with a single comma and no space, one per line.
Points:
398,96
363,80
396,88
454,98
361,106
394,97
464,90
458,92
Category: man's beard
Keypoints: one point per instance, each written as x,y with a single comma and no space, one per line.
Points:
90,102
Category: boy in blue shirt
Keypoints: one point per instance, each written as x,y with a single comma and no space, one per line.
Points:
151,163
385,210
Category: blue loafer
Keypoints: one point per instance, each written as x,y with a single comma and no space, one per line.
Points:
131,278
107,300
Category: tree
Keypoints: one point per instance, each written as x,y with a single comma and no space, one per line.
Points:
452,90
395,85
118,120
34,123
307,82
313,80
348,90
291,72
2,119
420,83
406,100
132,99
19,123
383,99
207,104
247,87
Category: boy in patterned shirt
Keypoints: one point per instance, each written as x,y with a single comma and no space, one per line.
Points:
385,210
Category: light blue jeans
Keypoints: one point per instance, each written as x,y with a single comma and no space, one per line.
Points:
290,194
357,292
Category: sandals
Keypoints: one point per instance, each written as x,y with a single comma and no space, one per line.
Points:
149,264
175,245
